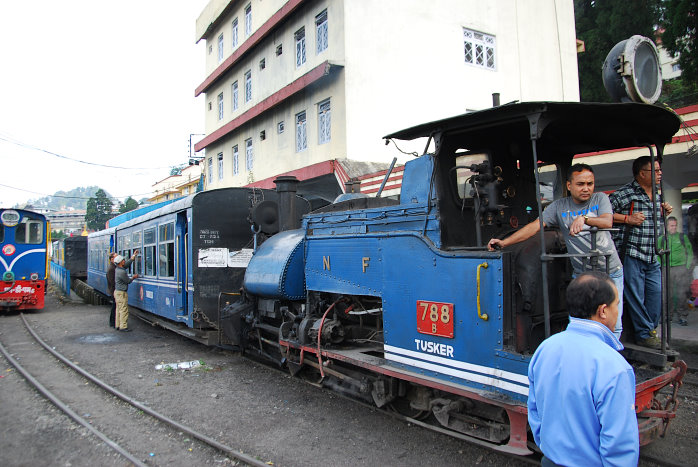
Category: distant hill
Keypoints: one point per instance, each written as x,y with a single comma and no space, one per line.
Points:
75,198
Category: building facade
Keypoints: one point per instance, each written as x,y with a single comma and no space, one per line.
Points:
176,186
290,84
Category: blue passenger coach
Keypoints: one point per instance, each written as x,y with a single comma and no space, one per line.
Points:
193,252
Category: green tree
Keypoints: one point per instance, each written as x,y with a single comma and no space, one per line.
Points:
601,24
680,24
58,235
98,210
129,205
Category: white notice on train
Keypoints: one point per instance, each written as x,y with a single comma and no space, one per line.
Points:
213,258
240,259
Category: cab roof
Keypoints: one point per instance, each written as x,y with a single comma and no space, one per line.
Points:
570,127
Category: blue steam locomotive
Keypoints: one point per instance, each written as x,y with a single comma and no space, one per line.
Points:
398,302
24,240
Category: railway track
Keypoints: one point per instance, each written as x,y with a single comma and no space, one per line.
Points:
126,430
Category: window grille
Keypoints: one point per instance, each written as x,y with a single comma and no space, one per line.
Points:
248,86
324,122
322,31
220,48
248,20
220,166
235,33
479,49
249,155
235,95
301,132
236,161
300,47
220,106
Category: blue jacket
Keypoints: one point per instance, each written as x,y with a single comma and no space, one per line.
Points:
581,400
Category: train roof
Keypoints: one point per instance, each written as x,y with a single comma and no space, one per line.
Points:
569,126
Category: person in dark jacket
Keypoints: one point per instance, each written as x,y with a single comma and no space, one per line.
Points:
121,282
111,269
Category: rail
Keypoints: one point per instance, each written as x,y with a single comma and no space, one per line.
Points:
61,277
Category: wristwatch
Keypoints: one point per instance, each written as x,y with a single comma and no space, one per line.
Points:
586,218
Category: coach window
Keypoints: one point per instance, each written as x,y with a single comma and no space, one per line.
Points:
136,245
166,250
2,233
149,251
29,231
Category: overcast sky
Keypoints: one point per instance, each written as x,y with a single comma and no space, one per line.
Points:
108,83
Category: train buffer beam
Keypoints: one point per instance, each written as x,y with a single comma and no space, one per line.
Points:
638,353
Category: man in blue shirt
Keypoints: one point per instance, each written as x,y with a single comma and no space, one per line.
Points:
581,400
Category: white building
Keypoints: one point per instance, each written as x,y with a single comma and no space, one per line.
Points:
291,84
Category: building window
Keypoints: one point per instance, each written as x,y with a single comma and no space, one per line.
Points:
301,132
280,127
210,106
235,33
210,49
262,64
220,166
220,48
321,31
480,49
235,95
300,47
676,68
248,20
249,155
220,106
324,122
236,160
263,135
210,169
279,49
248,86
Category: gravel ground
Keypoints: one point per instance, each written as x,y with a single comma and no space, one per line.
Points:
241,403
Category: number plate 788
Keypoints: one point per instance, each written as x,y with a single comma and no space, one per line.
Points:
435,318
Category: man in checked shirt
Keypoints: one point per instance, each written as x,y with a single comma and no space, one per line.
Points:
632,207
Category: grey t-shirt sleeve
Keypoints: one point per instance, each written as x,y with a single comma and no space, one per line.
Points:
550,214
604,204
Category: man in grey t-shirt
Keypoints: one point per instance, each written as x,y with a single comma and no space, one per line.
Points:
574,216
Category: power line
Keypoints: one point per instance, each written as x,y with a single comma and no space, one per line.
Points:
71,197
29,146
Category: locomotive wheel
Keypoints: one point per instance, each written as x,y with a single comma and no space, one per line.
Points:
402,406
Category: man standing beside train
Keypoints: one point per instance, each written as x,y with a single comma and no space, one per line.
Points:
121,291
575,215
632,207
581,397
111,271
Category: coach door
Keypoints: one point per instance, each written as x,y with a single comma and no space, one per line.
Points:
182,271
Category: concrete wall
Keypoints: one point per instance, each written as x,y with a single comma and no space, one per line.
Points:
405,62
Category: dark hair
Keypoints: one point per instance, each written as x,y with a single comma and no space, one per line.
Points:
578,168
641,161
672,218
587,291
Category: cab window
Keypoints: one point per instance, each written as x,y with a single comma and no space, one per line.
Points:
466,166
29,231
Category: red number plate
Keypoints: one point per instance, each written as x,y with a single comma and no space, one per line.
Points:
435,318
